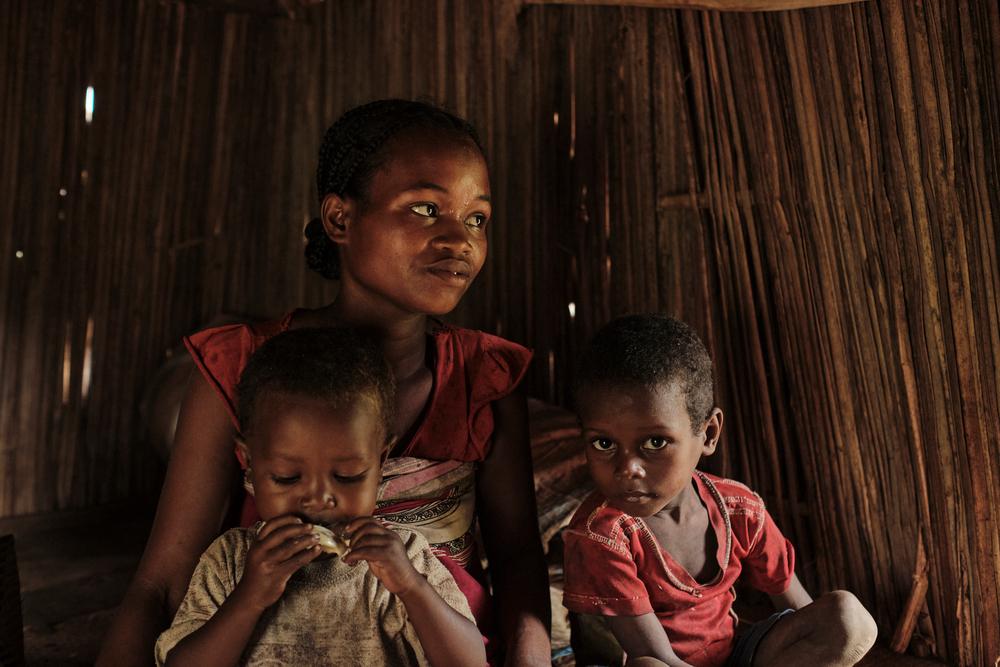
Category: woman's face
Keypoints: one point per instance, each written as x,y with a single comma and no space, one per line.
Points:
419,240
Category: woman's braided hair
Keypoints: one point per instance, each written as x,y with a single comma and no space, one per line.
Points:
353,149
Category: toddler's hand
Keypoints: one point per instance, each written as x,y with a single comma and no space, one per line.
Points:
384,551
283,545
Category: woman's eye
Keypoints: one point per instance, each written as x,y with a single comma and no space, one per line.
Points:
602,444
477,220
425,210
285,481
654,443
350,479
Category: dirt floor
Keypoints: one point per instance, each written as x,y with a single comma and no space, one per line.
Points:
74,567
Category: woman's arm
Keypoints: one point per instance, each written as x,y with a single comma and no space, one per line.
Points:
508,520
195,498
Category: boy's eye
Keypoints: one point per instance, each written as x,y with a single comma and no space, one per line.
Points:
477,220
602,444
425,210
654,443
286,480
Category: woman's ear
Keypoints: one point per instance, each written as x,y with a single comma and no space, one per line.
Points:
242,452
713,429
335,214
390,442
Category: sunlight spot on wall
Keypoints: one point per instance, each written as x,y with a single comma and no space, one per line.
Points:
67,365
62,192
19,254
88,105
88,355
572,310
552,375
555,118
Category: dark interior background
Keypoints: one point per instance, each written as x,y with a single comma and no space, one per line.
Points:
814,190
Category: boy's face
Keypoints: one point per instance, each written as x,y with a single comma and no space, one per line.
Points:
318,462
641,446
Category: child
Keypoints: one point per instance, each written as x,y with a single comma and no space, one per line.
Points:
315,411
404,211
657,549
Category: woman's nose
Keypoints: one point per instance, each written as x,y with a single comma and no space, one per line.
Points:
453,233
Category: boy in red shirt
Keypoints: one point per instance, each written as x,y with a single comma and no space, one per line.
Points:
657,549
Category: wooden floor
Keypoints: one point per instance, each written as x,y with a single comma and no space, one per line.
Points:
74,568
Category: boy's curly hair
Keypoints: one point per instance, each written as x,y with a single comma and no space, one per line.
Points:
651,351
337,365
354,148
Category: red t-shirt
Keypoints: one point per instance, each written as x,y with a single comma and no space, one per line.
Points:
614,566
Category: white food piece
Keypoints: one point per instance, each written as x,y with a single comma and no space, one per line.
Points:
330,542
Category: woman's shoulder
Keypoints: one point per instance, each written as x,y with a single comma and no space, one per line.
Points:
236,333
486,359
221,352
474,341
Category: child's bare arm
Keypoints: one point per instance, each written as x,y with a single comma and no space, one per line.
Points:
447,637
643,636
794,597
283,546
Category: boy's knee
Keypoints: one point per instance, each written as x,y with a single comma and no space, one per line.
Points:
852,621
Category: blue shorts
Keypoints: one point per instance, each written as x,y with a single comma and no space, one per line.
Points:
747,643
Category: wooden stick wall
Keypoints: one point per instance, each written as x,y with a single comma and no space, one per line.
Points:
814,190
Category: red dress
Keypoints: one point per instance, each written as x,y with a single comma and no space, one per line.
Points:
428,485
614,566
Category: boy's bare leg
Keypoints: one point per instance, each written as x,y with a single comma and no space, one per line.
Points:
834,631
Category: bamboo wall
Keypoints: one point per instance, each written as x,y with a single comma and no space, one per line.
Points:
814,190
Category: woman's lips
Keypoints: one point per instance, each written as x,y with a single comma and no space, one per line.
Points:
452,271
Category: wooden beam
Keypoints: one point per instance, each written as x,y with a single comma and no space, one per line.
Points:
273,8
718,5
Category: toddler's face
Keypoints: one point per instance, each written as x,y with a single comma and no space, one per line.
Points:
316,461
641,448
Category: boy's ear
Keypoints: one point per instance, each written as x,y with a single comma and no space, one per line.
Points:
713,429
242,452
335,214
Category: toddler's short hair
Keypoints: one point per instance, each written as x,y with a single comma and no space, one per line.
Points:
338,365
651,351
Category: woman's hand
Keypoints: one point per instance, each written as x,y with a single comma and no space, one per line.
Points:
283,545
385,554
